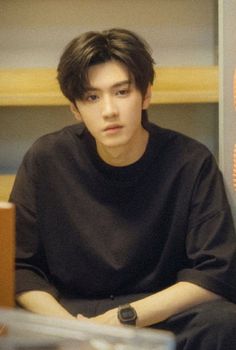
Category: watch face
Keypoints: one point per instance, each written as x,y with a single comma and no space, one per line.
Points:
128,314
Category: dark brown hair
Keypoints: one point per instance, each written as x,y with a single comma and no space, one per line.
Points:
98,47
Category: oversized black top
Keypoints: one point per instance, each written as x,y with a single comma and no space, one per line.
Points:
86,229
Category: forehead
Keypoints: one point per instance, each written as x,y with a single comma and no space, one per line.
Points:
108,74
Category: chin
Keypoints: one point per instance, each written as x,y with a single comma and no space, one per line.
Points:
114,144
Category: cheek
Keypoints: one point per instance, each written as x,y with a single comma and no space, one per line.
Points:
135,113
133,108
92,124
89,118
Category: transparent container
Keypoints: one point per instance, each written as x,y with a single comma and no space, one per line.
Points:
22,330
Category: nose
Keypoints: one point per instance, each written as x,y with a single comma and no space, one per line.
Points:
109,108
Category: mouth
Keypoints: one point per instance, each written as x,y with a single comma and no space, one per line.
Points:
113,128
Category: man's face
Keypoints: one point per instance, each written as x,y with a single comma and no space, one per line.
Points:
112,107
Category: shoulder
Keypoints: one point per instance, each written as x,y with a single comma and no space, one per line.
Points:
56,142
59,138
178,146
48,154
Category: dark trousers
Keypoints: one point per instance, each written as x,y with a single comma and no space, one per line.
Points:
209,326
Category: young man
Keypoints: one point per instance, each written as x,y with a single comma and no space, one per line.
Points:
119,220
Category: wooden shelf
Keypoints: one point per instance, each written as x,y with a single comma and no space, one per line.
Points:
6,183
30,87
39,87
186,85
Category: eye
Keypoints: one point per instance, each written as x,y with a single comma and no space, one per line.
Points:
91,98
123,92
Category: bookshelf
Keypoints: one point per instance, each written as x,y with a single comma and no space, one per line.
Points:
183,36
39,87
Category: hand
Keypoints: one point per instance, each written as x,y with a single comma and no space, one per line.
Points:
108,318
82,318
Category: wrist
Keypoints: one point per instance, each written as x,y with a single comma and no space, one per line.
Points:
127,315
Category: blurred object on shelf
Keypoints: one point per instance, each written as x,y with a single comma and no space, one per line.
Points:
27,331
7,255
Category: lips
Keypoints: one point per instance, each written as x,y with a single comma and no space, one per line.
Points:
113,127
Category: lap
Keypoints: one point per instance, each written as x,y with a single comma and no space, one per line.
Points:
207,326
94,307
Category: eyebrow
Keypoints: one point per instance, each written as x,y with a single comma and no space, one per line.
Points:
116,85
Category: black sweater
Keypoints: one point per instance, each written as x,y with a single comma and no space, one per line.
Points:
86,229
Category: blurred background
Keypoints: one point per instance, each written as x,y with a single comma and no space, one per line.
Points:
33,33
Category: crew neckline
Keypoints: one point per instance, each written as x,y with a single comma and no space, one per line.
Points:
122,174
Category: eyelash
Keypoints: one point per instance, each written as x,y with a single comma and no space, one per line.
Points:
123,92
93,98
90,98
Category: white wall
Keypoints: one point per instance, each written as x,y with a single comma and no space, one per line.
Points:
33,32
227,41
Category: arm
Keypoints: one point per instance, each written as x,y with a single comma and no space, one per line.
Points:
32,286
173,300
161,305
42,303
211,251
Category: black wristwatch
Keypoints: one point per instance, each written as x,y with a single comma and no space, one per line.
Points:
127,315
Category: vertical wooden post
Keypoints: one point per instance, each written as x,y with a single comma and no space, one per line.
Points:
7,254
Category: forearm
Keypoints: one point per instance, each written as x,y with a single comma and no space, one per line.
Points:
175,299
43,303
160,306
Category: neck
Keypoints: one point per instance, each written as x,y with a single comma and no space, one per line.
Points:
126,154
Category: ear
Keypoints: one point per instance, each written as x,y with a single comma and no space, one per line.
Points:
74,109
147,97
